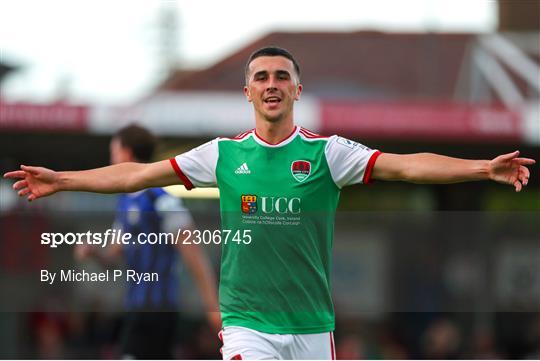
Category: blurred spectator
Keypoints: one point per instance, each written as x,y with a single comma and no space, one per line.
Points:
49,330
483,346
390,348
351,347
441,340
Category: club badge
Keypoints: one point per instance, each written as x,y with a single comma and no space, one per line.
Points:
301,169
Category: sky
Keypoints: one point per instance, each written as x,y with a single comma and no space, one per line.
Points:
112,51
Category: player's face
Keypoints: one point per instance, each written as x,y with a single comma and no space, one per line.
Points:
119,154
272,87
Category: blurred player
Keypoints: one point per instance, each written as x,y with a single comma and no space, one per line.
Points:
279,186
151,321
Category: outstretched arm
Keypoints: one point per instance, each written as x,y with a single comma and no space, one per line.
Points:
37,182
434,168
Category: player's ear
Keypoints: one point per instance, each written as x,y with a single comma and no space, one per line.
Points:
247,93
299,88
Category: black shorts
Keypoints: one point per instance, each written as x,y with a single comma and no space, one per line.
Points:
149,335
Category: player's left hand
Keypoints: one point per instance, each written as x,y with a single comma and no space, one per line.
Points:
509,169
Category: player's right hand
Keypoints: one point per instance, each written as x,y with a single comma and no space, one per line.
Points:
34,182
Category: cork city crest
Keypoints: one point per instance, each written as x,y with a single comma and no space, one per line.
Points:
249,204
301,169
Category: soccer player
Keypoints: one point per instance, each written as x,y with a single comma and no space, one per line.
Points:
151,321
279,186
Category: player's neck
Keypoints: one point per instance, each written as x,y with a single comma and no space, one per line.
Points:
274,132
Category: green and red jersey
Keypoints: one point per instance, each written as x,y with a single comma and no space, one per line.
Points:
282,198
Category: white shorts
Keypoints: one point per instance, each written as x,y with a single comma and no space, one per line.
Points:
240,343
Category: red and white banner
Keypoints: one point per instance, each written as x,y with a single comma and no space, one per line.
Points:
422,121
35,117
206,114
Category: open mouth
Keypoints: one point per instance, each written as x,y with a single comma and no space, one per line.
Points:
272,100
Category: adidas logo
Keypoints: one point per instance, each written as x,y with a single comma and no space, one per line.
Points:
243,169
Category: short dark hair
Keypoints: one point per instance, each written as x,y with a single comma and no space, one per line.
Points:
139,140
272,51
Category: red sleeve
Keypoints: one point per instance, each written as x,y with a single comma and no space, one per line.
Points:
369,168
185,180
